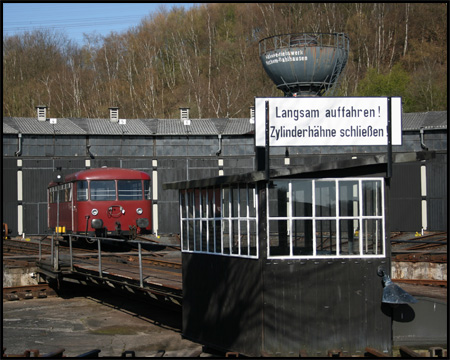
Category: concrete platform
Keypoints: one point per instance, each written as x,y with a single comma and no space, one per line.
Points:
100,320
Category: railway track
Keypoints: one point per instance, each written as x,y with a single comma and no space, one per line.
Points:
39,291
430,248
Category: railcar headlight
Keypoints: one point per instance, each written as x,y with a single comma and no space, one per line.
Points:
139,211
94,212
142,222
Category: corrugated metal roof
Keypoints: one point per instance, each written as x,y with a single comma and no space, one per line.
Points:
220,124
152,124
427,120
63,126
106,127
177,127
236,126
7,129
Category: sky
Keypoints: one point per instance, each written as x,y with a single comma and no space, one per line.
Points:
74,19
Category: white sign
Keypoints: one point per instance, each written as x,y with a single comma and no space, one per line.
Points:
328,121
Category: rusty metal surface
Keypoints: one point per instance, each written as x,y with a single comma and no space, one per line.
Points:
434,292
441,283
415,257
420,261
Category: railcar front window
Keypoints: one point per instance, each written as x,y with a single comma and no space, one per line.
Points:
129,189
103,190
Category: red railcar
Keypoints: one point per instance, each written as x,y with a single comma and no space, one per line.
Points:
106,202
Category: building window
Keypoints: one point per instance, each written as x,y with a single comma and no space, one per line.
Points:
326,218
220,220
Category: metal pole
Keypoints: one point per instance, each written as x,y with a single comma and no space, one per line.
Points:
389,146
100,272
70,252
141,279
57,210
51,249
40,249
56,261
267,162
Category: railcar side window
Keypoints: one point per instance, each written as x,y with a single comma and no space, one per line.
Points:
52,195
326,218
103,190
147,190
82,190
61,193
68,192
129,189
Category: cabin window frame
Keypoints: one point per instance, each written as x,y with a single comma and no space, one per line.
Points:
327,214
220,220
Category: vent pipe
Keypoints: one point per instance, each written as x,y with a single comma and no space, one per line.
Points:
41,112
422,144
114,114
252,114
19,151
184,115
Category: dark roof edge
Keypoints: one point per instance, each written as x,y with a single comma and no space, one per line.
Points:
340,165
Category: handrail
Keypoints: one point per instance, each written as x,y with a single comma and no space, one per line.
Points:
99,255
271,43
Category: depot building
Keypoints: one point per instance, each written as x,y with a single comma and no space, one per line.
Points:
185,149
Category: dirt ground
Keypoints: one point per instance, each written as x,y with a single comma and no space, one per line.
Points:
79,323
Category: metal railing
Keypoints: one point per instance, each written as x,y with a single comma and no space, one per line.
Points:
55,253
337,40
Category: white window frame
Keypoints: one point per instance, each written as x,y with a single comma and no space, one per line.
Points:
337,218
211,242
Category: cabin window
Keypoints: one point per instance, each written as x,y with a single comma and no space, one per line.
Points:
82,190
220,220
103,190
129,189
326,218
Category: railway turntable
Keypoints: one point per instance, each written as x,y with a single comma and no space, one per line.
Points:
154,275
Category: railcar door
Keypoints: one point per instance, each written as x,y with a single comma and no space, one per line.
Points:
73,206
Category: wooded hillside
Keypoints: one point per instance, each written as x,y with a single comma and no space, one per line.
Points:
207,58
